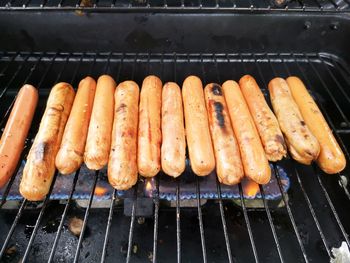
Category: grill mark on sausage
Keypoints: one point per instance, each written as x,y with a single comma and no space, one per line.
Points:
121,107
218,107
40,150
216,89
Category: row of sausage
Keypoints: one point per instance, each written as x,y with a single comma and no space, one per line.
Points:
230,127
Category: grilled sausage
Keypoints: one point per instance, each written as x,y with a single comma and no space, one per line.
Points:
264,119
40,166
149,133
302,144
255,163
173,150
331,158
71,154
98,142
228,161
199,144
122,166
16,130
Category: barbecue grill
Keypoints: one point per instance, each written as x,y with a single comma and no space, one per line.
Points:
44,42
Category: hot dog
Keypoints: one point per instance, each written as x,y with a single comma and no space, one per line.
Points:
302,144
331,158
149,133
71,153
198,138
122,166
255,163
264,119
173,150
40,166
16,130
98,142
228,161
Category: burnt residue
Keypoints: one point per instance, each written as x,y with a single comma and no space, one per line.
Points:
302,123
218,107
121,107
216,89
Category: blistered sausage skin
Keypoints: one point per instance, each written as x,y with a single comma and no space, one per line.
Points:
16,130
265,121
98,142
255,163
173,150
71,153
331,158
302,144
122,165
229,167
40,166
149,130
198,137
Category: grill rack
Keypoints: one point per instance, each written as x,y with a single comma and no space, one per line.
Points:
176,5
39,68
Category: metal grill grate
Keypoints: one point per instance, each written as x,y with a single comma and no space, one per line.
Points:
304,225
189,5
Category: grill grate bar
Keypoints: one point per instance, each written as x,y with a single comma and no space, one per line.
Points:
63,217
178,226
132,224
87,211
223,220
109,223
200,218
273,229
290,214
249,228
13,226
156,218
38,221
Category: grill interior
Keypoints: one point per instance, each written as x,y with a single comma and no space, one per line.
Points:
304,225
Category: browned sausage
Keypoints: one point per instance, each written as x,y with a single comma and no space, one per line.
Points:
71,153
264,119
98,142
149,133
197,127
122,166
16,130
302,144
331,158
40,166
255,163
228,160
173,151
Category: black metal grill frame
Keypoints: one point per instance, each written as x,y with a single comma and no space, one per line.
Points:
179,5
281,64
